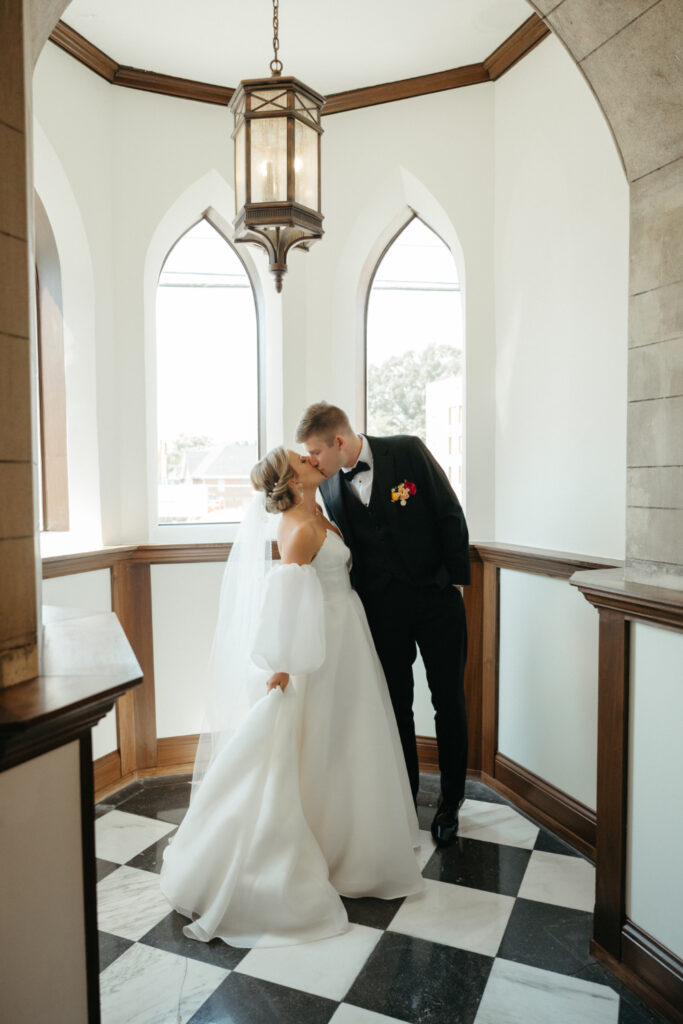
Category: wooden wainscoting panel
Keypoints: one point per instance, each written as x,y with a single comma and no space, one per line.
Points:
474,613
131,599
610,848
428,754
106,771
561,810
176,752
489,676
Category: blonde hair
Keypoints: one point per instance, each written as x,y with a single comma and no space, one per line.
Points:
324,421
273,474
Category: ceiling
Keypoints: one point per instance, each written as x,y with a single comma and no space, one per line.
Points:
332,46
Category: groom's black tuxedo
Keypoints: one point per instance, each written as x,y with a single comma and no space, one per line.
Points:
407,559
427,537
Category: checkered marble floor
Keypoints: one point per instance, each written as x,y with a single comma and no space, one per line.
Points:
500,936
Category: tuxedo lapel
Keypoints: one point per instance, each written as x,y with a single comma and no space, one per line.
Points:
382,473
335,504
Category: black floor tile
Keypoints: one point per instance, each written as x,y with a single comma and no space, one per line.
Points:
371,912
244,1000
549,843
166,803
168,935
112,801
547,936
111,948
104,868
475,790
631,1009
421,982
151,859
479,865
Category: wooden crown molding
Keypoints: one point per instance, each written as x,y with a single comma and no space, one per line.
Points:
77,46
516,46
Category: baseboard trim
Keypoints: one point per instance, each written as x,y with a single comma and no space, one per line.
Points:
654,961
564,814
654,964
106,772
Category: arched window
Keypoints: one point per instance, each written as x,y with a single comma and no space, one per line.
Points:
207,381
414,346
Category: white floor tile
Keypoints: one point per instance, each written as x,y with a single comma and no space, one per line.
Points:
145,985
427,847
455,915
517,994
130,902
496,823
120,836
347,1014
327,968
555,878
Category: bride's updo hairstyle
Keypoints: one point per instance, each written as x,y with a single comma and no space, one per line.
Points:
273,474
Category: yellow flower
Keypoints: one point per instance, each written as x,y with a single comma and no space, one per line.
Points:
394,495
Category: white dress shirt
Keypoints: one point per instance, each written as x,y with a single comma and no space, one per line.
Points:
362,482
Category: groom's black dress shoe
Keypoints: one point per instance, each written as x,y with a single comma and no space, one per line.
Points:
445,824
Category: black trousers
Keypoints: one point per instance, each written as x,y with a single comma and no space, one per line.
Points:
403,618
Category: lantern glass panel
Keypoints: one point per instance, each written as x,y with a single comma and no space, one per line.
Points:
269,160
240,168
268,99
306,166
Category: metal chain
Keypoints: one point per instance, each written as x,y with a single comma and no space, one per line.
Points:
276,63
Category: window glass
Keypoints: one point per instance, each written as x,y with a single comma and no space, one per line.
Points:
207,381
414,356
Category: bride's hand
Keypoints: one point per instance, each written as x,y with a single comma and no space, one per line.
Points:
279,679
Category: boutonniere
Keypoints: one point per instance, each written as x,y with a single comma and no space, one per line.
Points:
401,492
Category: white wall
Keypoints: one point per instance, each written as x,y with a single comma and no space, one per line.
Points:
561,251
521,179
92,592
184,609
654,890
548,681
42,941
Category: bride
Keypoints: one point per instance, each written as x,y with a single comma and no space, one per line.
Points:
302,793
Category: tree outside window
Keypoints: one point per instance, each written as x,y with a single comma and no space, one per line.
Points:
414,346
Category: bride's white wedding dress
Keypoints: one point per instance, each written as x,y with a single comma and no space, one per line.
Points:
310,798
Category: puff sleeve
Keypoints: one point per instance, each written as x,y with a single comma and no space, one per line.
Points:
290,635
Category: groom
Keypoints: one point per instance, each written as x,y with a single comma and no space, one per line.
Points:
408,538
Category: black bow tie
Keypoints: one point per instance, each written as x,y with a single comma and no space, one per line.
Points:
360,467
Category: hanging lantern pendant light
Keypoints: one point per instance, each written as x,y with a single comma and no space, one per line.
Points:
277,162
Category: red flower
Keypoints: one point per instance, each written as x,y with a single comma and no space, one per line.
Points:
410,487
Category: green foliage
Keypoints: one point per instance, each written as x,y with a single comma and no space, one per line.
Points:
397,387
